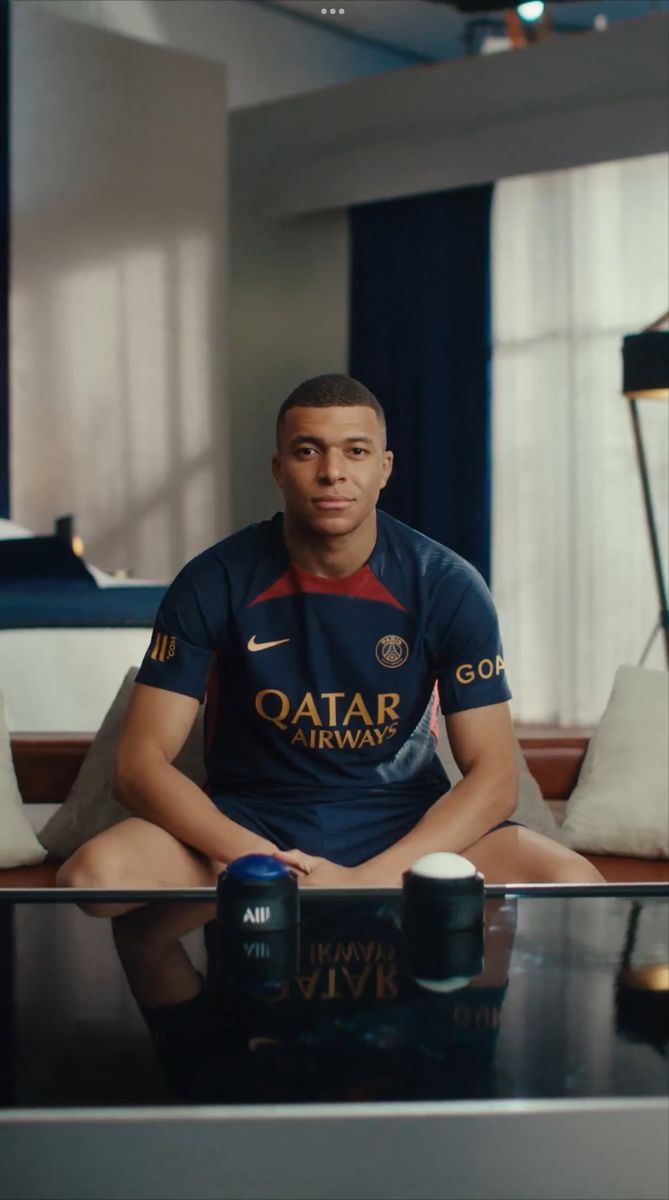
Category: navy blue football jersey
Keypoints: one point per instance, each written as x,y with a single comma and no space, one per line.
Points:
319,687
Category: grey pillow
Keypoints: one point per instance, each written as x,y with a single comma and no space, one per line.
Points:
90,806
531,809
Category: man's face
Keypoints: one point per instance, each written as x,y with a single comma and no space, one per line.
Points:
331,465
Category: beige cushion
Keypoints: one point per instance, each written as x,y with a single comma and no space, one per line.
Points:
620,804
531,809
90,806
18,845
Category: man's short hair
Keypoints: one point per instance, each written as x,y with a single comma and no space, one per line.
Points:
331,391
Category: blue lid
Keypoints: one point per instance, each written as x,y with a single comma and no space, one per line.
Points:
257,866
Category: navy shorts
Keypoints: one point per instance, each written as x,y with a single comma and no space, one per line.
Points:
348,831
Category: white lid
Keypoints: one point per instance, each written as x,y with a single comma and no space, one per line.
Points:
445,985
443,865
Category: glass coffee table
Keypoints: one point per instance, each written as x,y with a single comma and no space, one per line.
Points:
159,1054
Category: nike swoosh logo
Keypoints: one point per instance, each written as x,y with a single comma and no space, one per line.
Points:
253,645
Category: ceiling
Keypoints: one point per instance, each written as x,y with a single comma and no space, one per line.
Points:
435,30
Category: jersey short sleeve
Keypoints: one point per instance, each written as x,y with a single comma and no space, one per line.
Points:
471,672
187,630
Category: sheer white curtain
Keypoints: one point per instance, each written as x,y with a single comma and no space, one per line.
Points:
580,257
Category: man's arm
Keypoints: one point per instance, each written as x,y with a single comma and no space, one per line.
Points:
156,726
483,745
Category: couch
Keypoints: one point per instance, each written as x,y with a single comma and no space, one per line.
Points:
47,764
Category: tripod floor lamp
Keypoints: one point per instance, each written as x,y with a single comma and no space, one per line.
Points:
646,377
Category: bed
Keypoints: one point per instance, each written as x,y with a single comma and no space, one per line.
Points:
68,632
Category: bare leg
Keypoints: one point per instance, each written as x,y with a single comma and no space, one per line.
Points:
135,854
518,855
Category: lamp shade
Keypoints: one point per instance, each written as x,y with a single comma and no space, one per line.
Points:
646,365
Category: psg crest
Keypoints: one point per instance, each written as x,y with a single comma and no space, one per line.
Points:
392,651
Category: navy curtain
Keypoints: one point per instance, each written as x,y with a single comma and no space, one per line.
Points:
420,339
4,258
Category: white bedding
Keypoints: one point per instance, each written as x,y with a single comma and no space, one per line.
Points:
63,680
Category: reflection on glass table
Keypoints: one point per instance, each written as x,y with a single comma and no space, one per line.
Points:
556,997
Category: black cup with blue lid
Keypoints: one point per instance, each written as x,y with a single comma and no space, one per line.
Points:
257,894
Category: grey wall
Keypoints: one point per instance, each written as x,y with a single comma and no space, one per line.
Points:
288,321
563,103
118,322
268,53
297,164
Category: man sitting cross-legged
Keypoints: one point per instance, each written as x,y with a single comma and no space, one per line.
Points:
324,640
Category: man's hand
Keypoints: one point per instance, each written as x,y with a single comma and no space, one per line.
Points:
330,875
304,863
317,872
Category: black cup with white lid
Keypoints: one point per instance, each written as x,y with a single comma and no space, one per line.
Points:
446,962
443,905
443,892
